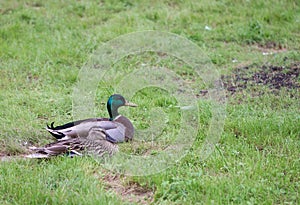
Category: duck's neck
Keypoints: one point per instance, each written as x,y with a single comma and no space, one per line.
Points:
113,112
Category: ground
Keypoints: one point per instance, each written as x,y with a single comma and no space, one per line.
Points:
254,46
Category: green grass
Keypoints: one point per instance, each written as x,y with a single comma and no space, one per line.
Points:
43,46
62,180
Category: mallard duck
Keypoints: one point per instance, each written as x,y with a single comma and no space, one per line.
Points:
117,127
95,143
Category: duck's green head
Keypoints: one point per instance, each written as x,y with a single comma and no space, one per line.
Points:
114,102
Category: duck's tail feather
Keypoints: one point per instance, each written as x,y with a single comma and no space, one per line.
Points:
51,149
55,149
52,130
51,126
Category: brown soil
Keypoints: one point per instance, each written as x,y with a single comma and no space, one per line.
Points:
273,77
130,191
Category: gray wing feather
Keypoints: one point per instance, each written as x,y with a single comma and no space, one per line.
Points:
117,133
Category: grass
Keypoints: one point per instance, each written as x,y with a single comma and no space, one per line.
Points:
43,46
55,182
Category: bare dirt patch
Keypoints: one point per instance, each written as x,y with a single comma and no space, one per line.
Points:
273,77
128,191
270,47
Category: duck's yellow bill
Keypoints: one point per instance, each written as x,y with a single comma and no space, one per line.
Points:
130,104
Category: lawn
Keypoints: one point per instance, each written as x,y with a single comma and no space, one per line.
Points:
252,46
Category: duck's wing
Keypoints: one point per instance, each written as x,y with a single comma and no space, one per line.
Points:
117,133
129,129
79,128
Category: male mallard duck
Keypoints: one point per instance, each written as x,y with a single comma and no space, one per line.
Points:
95,143
117,128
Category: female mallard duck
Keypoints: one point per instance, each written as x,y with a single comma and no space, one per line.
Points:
95,143
117,128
